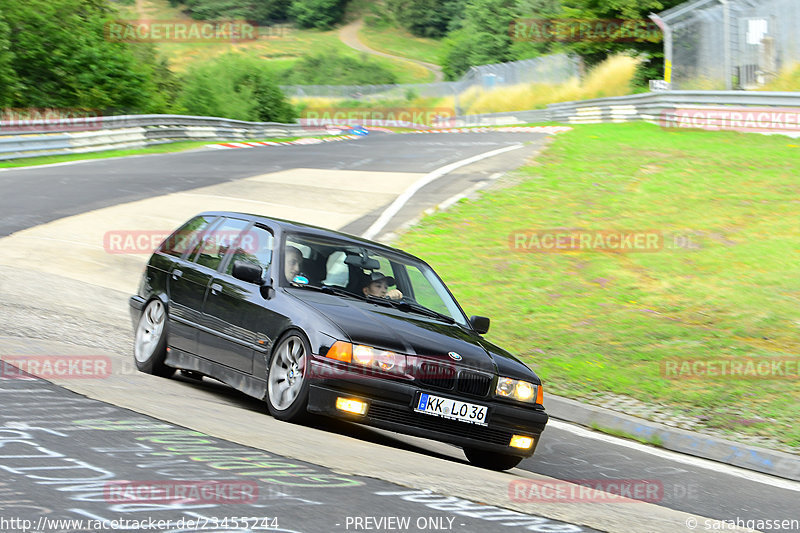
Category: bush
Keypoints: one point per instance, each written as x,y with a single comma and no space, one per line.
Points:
238,87
330,67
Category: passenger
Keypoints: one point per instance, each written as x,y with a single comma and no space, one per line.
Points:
293,261
378,285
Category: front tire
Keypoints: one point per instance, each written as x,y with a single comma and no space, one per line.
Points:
287,381
491,460
150,342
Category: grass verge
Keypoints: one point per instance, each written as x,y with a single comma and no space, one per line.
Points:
281,46
48,160
593,322
401,43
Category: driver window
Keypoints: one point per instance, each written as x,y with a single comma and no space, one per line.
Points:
254,246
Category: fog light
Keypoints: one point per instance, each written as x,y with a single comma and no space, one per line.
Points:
521,441
351,406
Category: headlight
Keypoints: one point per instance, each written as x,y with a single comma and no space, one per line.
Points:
368,357
517,389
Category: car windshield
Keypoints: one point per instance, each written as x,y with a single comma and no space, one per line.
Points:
367,273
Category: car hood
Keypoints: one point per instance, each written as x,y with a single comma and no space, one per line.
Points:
410,333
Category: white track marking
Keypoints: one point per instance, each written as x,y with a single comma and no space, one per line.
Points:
678,457
401,200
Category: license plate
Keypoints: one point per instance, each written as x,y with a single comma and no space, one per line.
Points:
452,409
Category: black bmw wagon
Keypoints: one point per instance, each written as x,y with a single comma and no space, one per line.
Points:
316,321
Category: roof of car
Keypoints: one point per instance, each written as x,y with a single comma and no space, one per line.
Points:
308,229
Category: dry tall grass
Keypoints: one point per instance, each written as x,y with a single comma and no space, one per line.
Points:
610,78
787,80
613,77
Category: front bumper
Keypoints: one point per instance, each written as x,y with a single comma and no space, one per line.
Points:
136,304
390,406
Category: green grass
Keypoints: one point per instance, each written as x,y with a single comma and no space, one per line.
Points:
160,149
282,48
593,322
401,43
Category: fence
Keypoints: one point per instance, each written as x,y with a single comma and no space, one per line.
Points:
556,68
731,43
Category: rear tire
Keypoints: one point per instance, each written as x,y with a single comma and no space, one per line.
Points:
287,381
150,342
491,460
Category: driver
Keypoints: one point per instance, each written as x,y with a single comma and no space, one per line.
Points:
378,285
293,261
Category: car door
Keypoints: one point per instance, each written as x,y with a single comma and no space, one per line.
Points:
185,286
239,313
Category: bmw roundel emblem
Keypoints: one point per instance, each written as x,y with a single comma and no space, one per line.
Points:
454,356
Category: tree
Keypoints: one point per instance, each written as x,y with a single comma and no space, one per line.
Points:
61,58
320,14
482,36
426,18
633,10
8,78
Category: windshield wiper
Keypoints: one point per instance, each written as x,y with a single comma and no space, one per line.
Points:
406,305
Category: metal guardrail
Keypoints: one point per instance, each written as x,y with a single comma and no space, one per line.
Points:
68,136
771,112
777,112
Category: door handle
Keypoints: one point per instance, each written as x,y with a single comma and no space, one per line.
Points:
177,273
216,288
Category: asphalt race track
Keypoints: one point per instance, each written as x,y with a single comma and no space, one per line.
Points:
63,292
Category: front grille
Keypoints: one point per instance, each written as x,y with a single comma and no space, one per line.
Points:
473,383
443,425
435,375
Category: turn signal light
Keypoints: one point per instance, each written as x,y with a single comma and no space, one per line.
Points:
341,351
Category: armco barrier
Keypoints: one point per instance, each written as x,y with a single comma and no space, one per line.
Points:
765,112
40,138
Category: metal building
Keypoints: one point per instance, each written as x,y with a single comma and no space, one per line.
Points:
729,44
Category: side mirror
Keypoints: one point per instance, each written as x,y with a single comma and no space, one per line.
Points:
479,323
246,271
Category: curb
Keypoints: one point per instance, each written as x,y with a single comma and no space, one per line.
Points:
780,464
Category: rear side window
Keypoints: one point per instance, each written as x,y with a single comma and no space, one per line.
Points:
187,237
214,244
